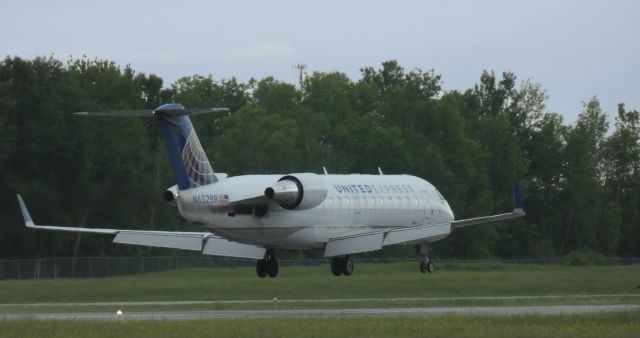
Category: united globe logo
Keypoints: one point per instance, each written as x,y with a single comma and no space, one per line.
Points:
196,163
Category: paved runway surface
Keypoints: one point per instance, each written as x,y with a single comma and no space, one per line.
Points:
191,315
337,300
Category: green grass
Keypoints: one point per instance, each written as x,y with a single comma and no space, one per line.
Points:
369,281
376,282
619,324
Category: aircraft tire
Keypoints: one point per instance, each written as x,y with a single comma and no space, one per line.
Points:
347,265
261,268
426,267
336,267
429,267
273,266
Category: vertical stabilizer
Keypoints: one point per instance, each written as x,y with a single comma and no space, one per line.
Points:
190,164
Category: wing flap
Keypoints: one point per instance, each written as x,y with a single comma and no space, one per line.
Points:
192,242
375,240
405,235
353,244
218,246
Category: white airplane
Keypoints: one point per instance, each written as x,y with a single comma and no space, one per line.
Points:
251,216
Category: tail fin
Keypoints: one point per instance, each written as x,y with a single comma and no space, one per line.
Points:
190,164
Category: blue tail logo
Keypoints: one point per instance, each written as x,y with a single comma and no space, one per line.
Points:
188,160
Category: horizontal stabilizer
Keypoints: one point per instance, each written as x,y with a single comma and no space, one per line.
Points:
150,112
204,242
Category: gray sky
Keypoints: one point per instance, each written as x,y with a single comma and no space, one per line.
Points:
576,49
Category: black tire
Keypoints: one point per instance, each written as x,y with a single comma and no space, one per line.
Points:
423,267
261,268
426,267
273,266
336,267
347,266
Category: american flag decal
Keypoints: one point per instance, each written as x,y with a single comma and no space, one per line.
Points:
222,198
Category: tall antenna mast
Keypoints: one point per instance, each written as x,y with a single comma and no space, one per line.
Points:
301,67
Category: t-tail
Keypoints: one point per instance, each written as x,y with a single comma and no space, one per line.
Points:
190,164
188,160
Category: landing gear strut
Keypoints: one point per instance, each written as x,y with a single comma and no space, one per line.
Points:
269,266
425,264
342,266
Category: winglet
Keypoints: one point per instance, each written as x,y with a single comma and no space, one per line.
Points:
517,196
28,221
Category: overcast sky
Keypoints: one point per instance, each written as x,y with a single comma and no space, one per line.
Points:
576,49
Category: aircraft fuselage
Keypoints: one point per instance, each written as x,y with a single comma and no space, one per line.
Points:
354,204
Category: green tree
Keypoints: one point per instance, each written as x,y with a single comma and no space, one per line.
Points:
583,186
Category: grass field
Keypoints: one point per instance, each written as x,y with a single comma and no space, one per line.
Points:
373,285
316,282
621,324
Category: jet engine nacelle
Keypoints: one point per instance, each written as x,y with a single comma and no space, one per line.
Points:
298,191
171,195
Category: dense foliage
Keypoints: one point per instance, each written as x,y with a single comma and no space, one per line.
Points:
581,182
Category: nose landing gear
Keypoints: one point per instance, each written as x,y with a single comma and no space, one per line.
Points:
425,264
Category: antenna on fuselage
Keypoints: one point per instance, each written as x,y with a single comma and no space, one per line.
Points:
325,170
380,171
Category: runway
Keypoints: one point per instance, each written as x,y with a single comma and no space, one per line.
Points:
327,300
421,312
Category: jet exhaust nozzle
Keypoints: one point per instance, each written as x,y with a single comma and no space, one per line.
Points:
171,195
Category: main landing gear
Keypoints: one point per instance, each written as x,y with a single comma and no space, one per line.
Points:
269,266
342,266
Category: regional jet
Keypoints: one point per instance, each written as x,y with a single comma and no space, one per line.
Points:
251,216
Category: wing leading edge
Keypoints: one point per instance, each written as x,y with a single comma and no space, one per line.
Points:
203,242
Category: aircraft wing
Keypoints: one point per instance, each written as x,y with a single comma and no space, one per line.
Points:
204,242
375,240
488,219
518,211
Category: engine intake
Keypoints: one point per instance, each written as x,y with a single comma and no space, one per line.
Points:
298,191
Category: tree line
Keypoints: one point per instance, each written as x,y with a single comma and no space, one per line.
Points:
580,182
